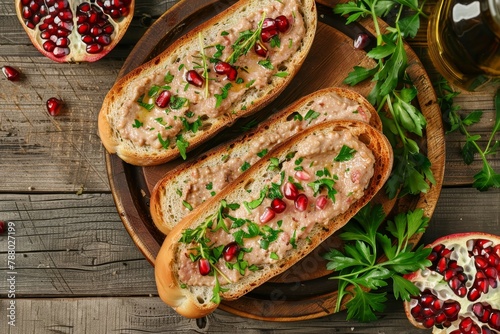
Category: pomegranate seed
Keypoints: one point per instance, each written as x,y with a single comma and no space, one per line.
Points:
494,320
321,202
301,175
204,267
10,73
473,294
416,310
260,49
442,265
267,215
194,78
54,106
103,39
466,325
266,35
290,191
269,23
440,318
462,291
481,262
163,99
282,23
428,322
451,308
230,251
427,300
301,202
361,41
2,227
222,67
278,205
94,48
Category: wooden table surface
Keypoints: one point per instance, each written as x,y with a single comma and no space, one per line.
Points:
76,268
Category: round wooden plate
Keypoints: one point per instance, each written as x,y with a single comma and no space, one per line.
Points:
304,291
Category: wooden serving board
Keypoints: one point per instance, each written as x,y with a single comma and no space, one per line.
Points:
304,291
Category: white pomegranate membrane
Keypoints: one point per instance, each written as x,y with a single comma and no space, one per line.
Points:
460,292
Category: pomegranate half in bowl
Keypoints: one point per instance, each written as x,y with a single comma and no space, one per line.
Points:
459,291
75,30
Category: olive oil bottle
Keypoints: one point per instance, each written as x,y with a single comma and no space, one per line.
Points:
464,41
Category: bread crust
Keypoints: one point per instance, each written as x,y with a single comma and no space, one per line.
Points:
139,155
166,207
189,303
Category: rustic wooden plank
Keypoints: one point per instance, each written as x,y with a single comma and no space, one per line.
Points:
150,315
72,245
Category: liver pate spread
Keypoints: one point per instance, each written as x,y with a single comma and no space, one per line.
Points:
190,106
204,182
327,173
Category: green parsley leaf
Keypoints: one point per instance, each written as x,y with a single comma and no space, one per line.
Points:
346,153
137,124
182,144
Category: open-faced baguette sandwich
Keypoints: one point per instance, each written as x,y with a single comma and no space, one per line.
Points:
193,182
272,215
229,67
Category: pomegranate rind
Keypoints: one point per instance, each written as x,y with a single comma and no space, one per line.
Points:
448,240
78,53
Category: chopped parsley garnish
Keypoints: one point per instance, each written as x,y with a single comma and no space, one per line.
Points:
310,115
164,142
262,153
177,102
346,153
245,166
223,95
266,64
147,106
137,124
182,144
281,74
187,205
168,78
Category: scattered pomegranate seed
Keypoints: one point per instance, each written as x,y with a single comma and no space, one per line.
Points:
2,227
290,191
301,202
260,49
267,215
54,106
361,41
278,205
266,35
10,73
303,176
163,99
204,267
194,78
282,23
230,251
269,23
222,67
321,202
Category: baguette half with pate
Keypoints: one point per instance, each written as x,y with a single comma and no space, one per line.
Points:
272,215
229,67
193,182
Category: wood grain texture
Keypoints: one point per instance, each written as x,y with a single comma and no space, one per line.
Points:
79,271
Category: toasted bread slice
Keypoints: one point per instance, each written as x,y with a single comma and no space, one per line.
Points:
206,80
275,213
195,181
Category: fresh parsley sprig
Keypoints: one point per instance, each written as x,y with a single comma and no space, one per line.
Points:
361,272
393,90
245,42
487,177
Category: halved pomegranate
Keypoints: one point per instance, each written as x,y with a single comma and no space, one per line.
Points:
75,30
459,291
